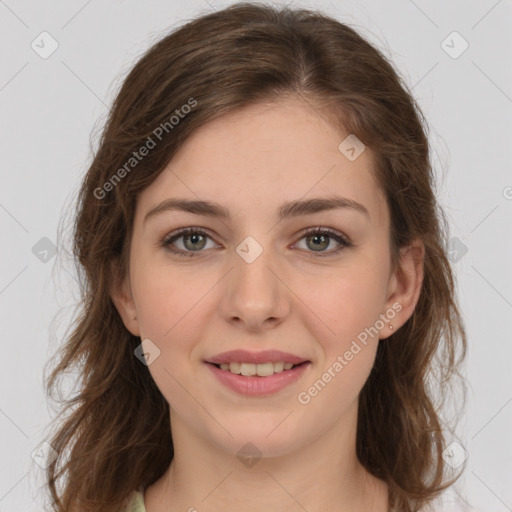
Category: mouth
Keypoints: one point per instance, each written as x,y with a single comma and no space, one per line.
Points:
258,379
257,373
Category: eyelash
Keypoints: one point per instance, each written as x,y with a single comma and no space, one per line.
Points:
344,242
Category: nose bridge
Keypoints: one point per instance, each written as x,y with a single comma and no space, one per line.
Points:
251,272
255,293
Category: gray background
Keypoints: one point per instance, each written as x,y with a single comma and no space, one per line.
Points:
50,106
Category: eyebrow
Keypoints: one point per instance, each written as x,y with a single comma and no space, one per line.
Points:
286,210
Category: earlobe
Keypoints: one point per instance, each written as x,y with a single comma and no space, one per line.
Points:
405,286
121,296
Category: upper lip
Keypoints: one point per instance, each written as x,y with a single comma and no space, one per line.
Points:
265,356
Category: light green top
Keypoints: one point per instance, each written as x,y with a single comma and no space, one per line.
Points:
137,502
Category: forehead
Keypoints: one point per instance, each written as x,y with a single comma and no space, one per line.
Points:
263,155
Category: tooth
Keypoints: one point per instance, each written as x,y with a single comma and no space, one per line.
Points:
234,368
265,369
224,366
278,367
247,369
288,366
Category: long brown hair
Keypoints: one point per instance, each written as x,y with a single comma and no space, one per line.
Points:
116,435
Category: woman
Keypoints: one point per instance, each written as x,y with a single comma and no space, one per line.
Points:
266,286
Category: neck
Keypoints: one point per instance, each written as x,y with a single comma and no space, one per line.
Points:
315,477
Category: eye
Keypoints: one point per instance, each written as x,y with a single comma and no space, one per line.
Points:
194,240
320,238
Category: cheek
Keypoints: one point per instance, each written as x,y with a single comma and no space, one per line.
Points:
171,314
336,388
341,307
342,324
169,302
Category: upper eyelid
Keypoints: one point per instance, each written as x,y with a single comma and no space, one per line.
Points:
185,231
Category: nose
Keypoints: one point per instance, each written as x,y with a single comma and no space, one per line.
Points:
255,294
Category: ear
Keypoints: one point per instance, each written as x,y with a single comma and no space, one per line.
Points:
404,287
121,295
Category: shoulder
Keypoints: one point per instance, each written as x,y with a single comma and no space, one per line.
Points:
136,502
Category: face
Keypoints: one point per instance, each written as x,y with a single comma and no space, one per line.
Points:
256,281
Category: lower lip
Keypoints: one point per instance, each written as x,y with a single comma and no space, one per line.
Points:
258,386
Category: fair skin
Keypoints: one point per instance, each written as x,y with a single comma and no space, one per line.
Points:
251,162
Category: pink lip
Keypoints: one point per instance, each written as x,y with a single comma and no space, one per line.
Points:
265,356
258,386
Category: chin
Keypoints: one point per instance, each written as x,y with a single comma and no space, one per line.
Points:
257,438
